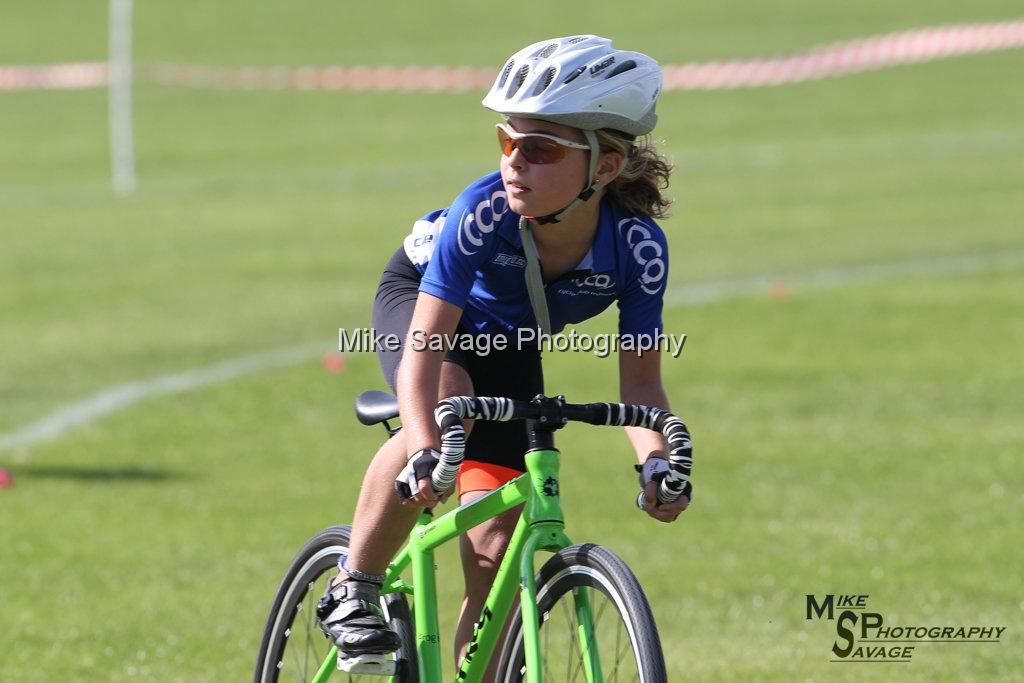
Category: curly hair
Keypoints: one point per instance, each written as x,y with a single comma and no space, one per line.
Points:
638,187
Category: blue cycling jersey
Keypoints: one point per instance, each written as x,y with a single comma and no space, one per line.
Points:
470,255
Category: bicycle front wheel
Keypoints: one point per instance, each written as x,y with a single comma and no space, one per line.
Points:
595,623
294,647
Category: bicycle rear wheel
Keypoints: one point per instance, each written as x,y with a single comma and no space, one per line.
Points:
294,647
625,638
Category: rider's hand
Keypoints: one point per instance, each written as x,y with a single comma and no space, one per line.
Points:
425,495
413,484
652,472
666,512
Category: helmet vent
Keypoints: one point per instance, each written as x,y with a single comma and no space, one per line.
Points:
572,77
549,76
577,39
505,72
548,51
625,66
517,82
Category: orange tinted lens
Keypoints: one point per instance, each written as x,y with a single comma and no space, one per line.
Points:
506,143
536,150
541,150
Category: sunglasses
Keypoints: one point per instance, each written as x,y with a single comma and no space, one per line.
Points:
537,148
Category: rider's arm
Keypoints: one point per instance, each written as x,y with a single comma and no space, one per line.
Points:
640,383
419,373
457,254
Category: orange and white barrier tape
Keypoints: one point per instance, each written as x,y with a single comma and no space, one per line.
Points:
848,57
833,60
54,77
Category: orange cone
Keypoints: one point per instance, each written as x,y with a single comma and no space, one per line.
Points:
334,363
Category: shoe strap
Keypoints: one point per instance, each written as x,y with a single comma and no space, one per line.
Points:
354,599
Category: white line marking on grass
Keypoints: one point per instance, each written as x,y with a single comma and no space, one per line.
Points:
712,292
122,396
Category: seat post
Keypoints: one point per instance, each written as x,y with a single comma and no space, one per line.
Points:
391,430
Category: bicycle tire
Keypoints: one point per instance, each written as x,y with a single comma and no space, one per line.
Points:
301,588
620,611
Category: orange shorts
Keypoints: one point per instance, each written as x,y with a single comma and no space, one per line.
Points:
483,476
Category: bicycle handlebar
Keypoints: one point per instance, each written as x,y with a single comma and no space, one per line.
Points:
450,412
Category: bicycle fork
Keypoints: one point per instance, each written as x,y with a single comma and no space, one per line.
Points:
547,532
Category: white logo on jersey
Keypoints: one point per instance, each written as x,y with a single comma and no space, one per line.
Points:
419,245
509,260
647,253
601,281
482,220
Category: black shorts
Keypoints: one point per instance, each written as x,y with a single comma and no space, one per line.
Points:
497,447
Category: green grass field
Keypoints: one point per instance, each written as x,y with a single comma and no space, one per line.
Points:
862,437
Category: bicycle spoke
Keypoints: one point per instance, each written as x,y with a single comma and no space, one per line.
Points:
625,653
618,640
574,644
577,646
295,674
298,678
308,623
611,645
600,613
295,654
568,619
575,662
580,665
305,626
293,647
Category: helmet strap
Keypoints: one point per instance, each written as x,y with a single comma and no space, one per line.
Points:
595,152
534,279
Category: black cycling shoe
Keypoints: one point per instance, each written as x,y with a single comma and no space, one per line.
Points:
351,616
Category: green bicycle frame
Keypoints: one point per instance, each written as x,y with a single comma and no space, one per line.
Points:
540,527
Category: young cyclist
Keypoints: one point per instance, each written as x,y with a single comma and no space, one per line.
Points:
564,228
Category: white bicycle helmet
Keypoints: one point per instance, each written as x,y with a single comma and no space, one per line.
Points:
579,81
582,82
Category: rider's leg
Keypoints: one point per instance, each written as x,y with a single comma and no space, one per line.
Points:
381,523
350,613
482,549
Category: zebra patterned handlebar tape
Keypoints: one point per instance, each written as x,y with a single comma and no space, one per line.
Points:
449,415
451,411
680,449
